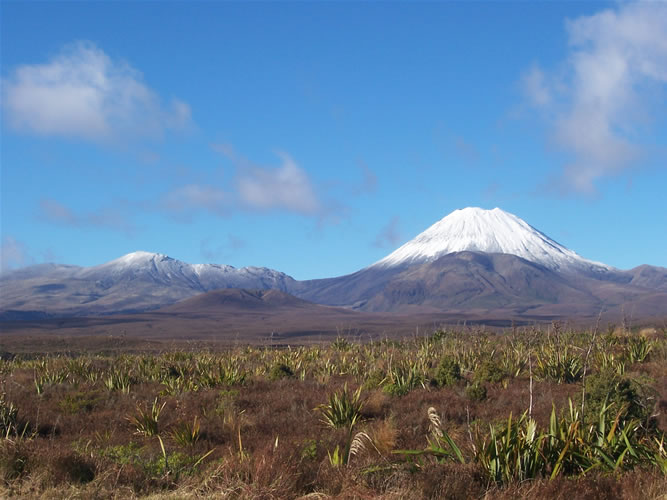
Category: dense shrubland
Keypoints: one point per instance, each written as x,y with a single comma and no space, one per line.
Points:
531,413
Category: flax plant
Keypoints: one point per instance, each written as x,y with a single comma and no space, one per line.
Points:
342,411
146,422
186,434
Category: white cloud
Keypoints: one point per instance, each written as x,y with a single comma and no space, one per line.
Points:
13,254
286,187
83,93
608,90
536,88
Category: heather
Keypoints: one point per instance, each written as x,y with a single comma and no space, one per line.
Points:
551,412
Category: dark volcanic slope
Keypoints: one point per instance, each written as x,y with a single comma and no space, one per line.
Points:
351,290
649,277
477,281
230,301
228,315
496,284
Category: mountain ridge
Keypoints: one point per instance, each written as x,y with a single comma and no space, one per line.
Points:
135,282
452,265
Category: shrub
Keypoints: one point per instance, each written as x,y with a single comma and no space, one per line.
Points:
13,460
79,402
225,402
448,372
280,371
76,468
309,450
476,391
619,393
489,371
374,379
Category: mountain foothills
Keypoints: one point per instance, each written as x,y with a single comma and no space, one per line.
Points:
474,261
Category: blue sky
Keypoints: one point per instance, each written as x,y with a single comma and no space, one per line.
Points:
314,138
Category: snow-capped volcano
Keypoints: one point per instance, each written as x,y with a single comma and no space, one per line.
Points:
489,231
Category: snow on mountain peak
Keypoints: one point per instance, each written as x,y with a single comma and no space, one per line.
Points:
160,268
138,257
490,231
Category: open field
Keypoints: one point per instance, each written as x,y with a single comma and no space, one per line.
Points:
238,328
460,413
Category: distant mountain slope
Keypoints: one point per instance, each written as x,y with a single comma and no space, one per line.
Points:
469,280
232,300
649,277
476,280
135,282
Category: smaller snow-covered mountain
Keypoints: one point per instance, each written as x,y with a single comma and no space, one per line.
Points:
159,268
135,282
474,229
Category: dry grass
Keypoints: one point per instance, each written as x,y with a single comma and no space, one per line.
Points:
263,438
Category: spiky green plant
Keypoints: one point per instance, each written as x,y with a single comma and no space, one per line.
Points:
559,364
8,417
146,422
402,379
118,381
512,452
343,409
639,349
186,433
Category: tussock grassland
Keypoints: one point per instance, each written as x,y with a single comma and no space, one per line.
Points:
530,413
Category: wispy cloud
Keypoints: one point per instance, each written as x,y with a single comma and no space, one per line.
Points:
369,181
113,218
286,187
83,93
454,145
213,252
13,254
390,235
606,91
491,191
184,201
466,150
